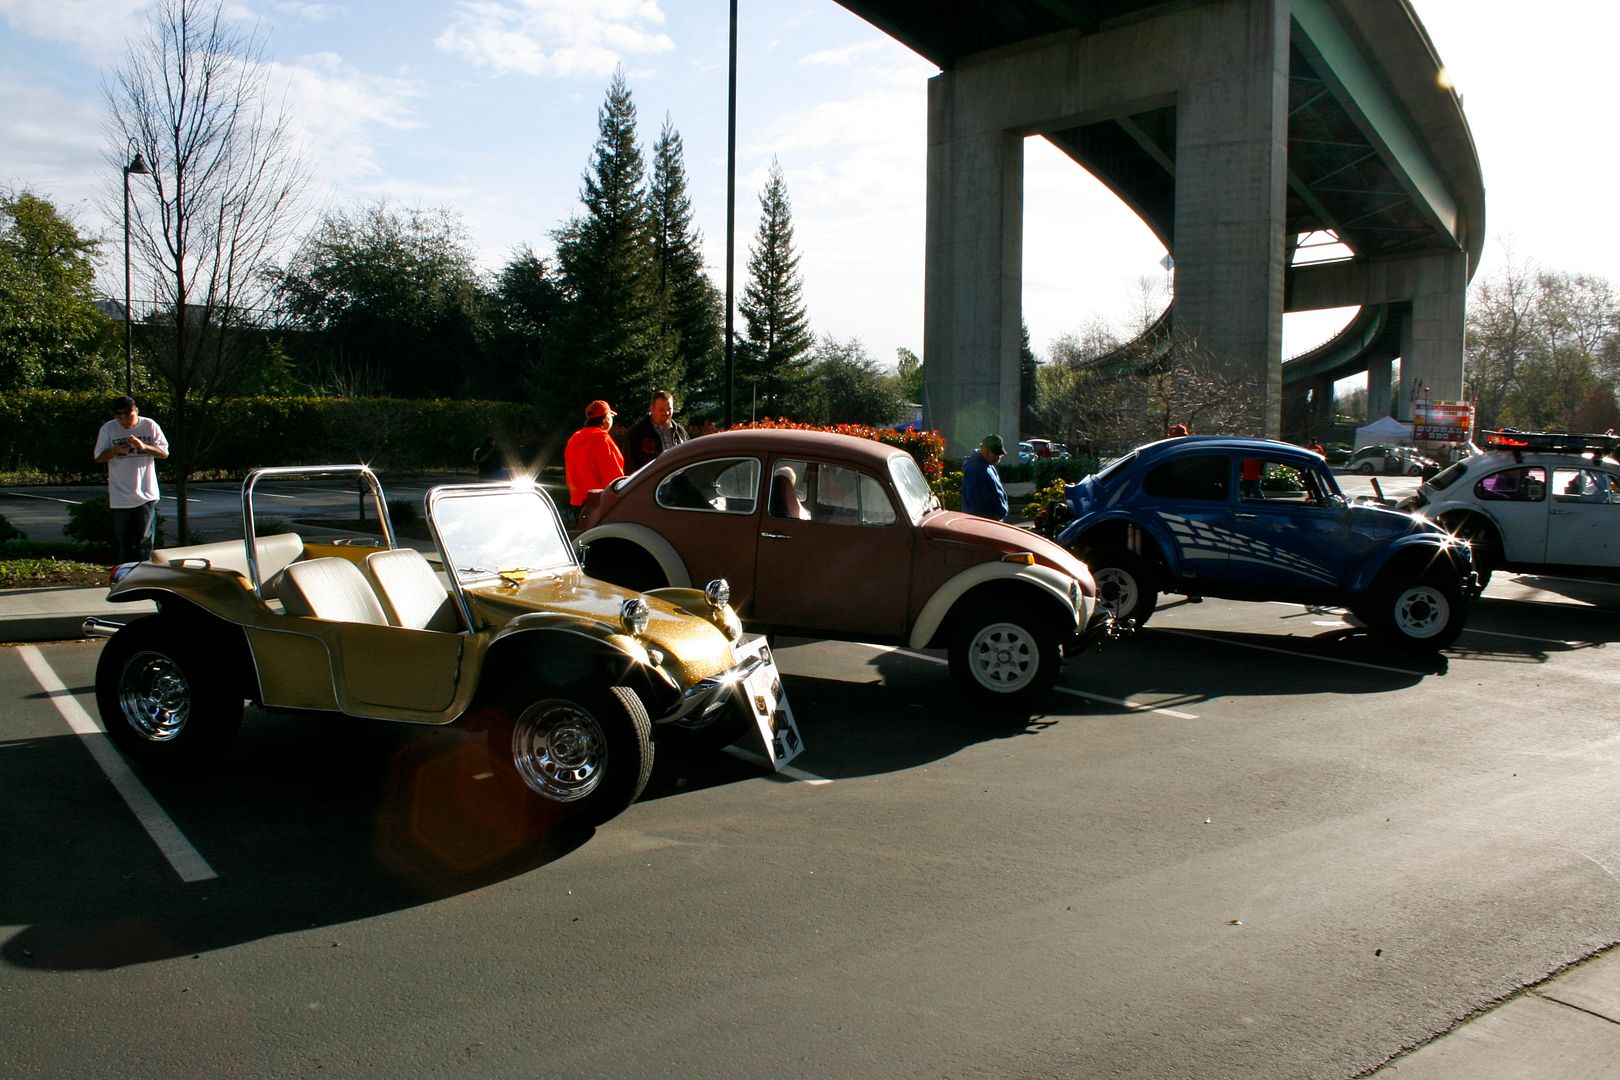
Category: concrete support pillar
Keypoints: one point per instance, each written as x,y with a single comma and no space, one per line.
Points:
1379,398
1432,343
973,281
1321,411
1231,186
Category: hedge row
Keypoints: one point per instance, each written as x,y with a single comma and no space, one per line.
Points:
50,433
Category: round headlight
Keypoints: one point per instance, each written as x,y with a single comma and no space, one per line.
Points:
634,616
719,592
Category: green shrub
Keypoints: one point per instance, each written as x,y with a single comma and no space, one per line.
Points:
90,523
1070,470
8,531
403,513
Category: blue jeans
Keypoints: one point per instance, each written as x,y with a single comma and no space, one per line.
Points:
132,531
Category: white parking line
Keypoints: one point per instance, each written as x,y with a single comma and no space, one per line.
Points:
1285,652
787,770
1060,689
42,498
185,859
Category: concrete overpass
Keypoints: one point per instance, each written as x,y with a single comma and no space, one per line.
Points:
1232,127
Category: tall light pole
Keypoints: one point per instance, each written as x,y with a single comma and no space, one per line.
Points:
137,166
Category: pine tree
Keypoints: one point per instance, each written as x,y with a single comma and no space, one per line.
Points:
613,328
775,360
692,315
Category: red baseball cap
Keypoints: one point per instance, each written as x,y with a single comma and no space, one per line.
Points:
598,409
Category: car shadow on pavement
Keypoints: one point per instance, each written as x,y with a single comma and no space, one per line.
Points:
307,821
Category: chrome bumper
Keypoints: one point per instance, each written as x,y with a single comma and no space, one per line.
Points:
702,699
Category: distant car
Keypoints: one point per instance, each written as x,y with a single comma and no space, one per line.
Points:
1253,519
1026,453
833,536
1390,460
1041,447
1534,502
568,676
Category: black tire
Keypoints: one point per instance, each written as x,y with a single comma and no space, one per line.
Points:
622,563
1124,585
1414,470
576,757
166,694
1366,468
1005,656
1425,613
1486,543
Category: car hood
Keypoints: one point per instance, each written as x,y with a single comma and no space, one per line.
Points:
694,643
1371,519
997,536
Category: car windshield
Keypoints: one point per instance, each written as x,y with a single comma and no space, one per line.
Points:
483,533
913,489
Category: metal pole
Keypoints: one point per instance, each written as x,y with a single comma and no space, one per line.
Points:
731,214
129,316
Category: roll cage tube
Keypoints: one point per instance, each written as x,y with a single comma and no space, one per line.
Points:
303,472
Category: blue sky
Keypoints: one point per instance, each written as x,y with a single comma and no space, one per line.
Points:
489,107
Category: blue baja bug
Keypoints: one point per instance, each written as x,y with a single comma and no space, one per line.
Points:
1253,519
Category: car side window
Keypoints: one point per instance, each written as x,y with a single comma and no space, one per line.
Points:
789,493
1582,485
1278,483
1525,484
1201,476
724,485
850,497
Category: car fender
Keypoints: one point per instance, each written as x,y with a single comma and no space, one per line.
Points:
938,608
662,552
570,651
1153,540
1425,547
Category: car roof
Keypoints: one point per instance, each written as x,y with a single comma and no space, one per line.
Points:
780,442
1228,443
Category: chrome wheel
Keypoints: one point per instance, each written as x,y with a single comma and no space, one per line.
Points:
154,696
559,750
1003,657
1117,590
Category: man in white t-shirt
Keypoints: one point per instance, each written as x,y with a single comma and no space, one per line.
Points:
130,445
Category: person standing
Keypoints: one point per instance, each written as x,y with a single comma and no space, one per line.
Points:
982,493
653,433
591,459
130,445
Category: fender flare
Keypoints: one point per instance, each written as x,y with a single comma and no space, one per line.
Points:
662,552
1165,554
940,605
1403,549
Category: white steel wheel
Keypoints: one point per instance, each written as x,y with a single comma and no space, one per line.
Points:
1428,613
1005,656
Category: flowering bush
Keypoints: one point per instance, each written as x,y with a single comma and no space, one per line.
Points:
927,448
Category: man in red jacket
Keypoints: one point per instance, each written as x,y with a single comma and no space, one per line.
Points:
591,459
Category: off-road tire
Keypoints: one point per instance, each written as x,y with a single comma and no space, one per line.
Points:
1124,584
1425,613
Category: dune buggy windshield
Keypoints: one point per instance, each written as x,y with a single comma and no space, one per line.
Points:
484,533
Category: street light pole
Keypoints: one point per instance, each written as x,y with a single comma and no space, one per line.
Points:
137,165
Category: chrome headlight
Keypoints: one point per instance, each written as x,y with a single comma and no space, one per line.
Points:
718,592
634,615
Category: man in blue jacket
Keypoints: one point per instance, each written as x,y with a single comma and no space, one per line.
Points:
982,493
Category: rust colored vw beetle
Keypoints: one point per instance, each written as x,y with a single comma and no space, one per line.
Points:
832,536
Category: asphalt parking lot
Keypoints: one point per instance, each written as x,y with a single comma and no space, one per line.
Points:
1254,841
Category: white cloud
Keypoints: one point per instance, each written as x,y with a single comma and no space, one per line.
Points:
337,111
97,29
560,38
309,10
846,55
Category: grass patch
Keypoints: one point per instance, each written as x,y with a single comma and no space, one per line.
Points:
49,573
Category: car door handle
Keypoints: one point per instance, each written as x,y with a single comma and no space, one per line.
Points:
1555,513
775,536
1245,517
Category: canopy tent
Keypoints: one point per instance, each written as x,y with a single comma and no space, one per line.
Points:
1386,429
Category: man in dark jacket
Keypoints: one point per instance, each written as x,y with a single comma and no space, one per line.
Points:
982,493
653,433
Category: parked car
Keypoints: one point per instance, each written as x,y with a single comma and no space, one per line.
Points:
1026,453
569,676
1253,519
1390,460
833,536
1537,502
